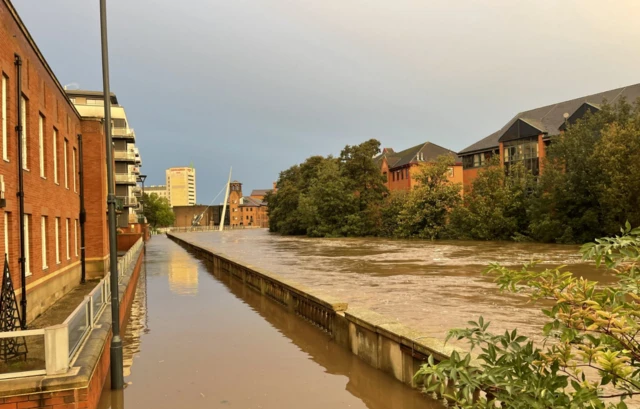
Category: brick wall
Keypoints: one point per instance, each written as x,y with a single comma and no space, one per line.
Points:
47,107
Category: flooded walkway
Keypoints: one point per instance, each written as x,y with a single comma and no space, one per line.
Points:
198,340
429,286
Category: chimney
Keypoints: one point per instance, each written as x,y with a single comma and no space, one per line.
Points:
274,186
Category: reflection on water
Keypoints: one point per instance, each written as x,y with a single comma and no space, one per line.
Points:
430,286
226,346
183,279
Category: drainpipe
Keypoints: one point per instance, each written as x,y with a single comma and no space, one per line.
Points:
20,194
83,214
117,376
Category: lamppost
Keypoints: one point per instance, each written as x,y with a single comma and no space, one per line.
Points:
117,376
141,179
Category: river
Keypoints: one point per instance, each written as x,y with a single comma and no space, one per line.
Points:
429,286
196,339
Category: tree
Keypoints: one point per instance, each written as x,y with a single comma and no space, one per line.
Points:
588,186
363,178
158,211
495,208
326,196
594,359
426,211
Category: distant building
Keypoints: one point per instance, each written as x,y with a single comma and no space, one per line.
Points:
209,216
525,138
181,186
248,211
400,168
160,190
90,104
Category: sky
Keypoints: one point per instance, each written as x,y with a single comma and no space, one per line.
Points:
261,85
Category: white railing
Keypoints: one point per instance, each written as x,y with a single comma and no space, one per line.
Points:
62,342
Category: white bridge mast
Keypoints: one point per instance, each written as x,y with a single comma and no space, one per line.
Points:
226,199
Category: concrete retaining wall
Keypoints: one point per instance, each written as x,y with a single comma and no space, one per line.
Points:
377,340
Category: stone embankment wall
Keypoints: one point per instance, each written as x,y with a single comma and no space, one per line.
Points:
379,341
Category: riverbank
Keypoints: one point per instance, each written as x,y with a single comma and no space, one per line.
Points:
375,339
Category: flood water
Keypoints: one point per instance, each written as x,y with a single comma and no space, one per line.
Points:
196,339
429,286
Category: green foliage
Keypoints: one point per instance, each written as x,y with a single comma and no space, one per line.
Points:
495,208
590,180
426,211
592,359
329,196
158,211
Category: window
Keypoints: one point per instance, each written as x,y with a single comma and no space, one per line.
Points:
43,228
524,151
6,234
27,250
57,233
73,165
477,160
5,80
66,165
67,238
41,143
55,155
25,150
75,236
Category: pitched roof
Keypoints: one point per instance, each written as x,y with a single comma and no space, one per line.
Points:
250,201
550,118
260,192
430,151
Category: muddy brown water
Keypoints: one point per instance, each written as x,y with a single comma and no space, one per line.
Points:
196,339
429,286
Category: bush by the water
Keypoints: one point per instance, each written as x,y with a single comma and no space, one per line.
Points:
593,360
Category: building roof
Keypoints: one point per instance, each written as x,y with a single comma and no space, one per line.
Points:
550,118
260,192
430,151
250,201
87,93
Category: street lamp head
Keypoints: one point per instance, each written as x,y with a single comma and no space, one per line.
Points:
141,178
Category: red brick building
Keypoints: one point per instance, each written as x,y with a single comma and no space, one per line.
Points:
400,168
51,157
524,139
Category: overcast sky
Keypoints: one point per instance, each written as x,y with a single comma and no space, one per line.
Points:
262,84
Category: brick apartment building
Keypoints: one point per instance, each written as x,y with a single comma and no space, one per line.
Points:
526,136
400,168
51,158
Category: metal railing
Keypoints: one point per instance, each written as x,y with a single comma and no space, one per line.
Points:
125,178
63,342
128,200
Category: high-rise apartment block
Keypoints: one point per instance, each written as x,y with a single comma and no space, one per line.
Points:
90,104
181,186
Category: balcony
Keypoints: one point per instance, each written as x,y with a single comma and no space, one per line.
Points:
123,133
137,192
128,201
128,156
126,178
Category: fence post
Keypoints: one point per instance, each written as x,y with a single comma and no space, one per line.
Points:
91,317
56,349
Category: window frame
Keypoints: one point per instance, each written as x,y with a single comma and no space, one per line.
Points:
43,232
